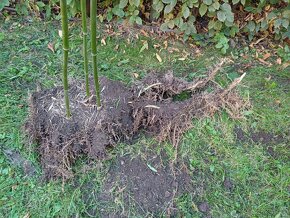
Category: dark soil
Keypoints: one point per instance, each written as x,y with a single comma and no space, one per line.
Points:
267,139
148,184
89,131
149,105
17,160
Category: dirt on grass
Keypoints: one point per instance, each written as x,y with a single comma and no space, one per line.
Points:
154,105
148,184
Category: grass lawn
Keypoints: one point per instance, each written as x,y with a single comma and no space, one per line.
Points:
241,167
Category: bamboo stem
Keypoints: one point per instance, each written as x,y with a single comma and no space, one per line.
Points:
65,53
85,53
93,16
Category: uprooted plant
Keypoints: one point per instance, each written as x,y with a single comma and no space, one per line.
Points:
148,106
64,20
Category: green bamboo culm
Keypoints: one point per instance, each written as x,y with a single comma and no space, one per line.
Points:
85,53
64,20
93,15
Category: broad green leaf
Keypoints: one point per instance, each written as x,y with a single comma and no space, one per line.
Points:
230,17
221,15
216,5
235,1
251,26
139,20
136,2
168,9
202,9
170,24
167,1
136,12
211,24
118,11
158,7
226,7
207,2
186,12
285,23
123,3
3,3
243,2
40,4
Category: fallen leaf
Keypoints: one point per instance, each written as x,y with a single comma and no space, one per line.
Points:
279,61
60,33
116,47
165,44
103,41
264,62
181,59
144,33
266,56
145,46
50,46
136,75
152,168
158,57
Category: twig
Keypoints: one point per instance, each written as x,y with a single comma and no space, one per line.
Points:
233,85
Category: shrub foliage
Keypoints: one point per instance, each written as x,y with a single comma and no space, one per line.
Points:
218,19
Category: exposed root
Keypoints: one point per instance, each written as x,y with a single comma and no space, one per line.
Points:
149,105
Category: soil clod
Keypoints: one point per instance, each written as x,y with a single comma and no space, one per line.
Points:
149,105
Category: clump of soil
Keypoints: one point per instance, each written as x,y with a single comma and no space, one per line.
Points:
147,184
149,105
89,131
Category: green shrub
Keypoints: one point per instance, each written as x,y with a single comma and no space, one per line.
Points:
217,19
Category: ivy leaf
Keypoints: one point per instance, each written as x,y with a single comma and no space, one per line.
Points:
285,23
167,1
251,25
171,24
202,9
3,3
118,11
168,9
216,5
135,2
221,15
186,12
139,20
123,3
158,7
207,2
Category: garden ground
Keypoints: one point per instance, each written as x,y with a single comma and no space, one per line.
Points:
234,168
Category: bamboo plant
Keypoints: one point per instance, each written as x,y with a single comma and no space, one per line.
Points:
64,21
93,15
85,55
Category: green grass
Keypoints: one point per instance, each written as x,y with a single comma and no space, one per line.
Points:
261,182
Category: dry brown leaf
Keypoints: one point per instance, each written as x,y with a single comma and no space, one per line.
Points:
116,47
136,75
103,41
60,33
264,62
158,57
279,61
266,56
165,44
50,46
144,33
